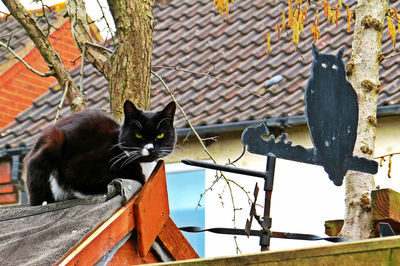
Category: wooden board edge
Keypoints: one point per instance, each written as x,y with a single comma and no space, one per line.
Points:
96,243
175,242
145,212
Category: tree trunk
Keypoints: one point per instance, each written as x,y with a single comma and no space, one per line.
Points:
131,61
363,74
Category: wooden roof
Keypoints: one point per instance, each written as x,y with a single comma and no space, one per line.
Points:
147,213
128,225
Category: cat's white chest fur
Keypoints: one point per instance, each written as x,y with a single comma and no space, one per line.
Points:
147,169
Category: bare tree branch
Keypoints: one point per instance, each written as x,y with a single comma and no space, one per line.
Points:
94,54
46,74
46,17
52,58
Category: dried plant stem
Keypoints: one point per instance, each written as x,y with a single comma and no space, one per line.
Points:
202,144
46,74
213,77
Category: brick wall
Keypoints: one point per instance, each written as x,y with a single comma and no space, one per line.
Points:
19,87
8,193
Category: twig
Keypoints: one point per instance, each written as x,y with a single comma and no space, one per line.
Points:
6,15
46,74
99,46
392,55
49,25
242,188
184,114
214,139
82,68
238,251
108,25
8,37
386,155
59,107
201,143
213,77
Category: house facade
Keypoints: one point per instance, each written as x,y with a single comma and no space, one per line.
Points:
192,47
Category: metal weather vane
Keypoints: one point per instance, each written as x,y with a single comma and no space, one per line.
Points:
332,118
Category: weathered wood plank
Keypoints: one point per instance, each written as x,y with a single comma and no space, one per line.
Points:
386,207
333,227
175,243
129,254
379,251
385,204
92,248
151,208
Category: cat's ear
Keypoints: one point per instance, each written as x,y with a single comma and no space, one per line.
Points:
130,109
169,111
339,54
315,51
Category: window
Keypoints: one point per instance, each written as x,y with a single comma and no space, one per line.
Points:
185,184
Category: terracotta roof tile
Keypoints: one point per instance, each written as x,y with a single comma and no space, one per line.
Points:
190,35
19,39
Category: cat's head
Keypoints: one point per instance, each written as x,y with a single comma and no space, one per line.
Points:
147,135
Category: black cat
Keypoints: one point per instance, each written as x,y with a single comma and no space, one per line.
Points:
82,153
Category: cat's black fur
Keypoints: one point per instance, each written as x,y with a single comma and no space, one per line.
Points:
85,151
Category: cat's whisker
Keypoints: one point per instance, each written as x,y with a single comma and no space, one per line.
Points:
130,159
130,148
122,157
116,145
122,154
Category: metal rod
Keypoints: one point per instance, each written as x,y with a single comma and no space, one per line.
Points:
283,235
268,186
224,168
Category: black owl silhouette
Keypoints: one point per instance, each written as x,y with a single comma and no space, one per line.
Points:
332,114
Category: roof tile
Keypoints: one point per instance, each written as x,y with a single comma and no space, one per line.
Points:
190,35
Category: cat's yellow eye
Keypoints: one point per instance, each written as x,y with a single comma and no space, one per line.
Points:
160,136
139,136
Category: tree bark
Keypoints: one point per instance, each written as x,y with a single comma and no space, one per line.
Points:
95,55
53,59
363,74
131,61
128,69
